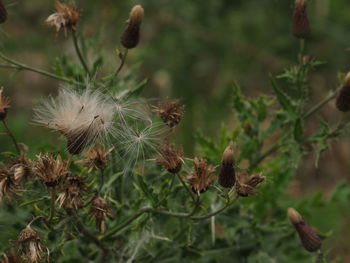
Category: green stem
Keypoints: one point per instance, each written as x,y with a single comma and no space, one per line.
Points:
267,153
11,136
20,66
122,62
188,190
102,182
52,204
77,49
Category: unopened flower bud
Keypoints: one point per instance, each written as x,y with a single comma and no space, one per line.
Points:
310,240
3,12
227,176
343,99
131,35
301,25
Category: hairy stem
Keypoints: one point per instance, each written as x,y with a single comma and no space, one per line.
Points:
80,56
102,182
188,190
123,59
19,66
9,133
52,204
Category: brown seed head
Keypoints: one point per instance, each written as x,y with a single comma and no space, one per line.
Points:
4,104
12,257
97,157
20,167
30,245
202,177
227,176
131,35
246,185
343,98
301,25
49,170
100,210
310,240
3,12
66,17
73,189
8,184
170,112
171,158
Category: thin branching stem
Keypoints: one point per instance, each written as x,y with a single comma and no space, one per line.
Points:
80,56
102,182
52,204
188,189
123,59
19,66
10,134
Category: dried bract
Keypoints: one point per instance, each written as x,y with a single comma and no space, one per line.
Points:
82,118
49,170
66,17
170,112
301,25
227,176
310,240
343,99
202,177
72,193
8,184
12,257
30,245
100,210
97,158
20,167
131,35
171,158
4,104
246,185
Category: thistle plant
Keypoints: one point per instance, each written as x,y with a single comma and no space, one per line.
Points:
120,188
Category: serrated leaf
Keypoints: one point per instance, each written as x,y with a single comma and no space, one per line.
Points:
282,98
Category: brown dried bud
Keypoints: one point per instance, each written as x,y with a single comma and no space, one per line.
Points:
170,112
12,257
100,210
66,17
8,184
97,158
30,245
49,170
72,193
201,178
4,104
343,99
3,12
246,185
310,240
301,25
227,176
131,35
171,158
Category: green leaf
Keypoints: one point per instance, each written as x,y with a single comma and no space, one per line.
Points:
298,130
282,98
145,189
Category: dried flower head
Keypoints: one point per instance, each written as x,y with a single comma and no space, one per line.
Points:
171,158
227,176
4,104
72,193
3,12
97,157
8,184
12,257
100,210
310,240
20,167
81,118
66,17
202,177
246,185
170,111
301,25
30,245
131,35
49,170
343,99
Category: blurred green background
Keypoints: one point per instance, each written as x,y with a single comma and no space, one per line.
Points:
192,50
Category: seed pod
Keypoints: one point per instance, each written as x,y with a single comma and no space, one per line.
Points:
310,240
3,12
131,35
301,25
227,176
343,99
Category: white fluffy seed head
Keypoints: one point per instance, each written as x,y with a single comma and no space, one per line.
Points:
81,117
